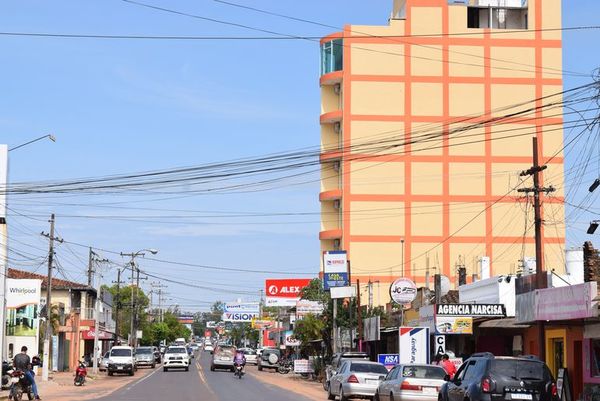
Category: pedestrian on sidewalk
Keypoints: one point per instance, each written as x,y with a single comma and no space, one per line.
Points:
22,362
448,366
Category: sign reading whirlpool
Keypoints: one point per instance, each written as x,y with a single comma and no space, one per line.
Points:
245,307
471,310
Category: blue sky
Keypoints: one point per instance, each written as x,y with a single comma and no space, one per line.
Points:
125,106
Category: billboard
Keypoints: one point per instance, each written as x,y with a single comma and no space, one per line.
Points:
414,345
22,314
453,325
239,316
304,307
335,269
389,360
284,292
290,340
247,307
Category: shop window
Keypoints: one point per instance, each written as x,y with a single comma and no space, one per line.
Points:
595,358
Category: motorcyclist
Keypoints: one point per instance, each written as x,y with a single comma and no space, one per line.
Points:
23,363
239,358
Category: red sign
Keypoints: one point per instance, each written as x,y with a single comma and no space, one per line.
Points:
207,333
102,335
285,288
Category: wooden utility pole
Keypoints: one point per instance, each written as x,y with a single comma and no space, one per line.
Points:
90,271
541,277
48,331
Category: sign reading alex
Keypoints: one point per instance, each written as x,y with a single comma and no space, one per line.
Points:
471,310
335,269
284,292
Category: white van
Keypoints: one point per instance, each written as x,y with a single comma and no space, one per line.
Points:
121,360
180,341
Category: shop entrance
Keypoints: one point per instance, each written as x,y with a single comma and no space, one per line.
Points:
555,350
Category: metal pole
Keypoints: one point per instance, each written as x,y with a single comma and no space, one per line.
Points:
402,242
132,306
118,307
539,265
3,246
90,271
97,325
335,339
135,320
48,332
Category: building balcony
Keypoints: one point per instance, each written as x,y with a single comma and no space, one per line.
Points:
331,234
332,195
331,117
331,156
332,54
331,78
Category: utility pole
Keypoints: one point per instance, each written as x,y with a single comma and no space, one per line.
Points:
96,309
90,271
48,331
535,171
541,277
118,306
359,316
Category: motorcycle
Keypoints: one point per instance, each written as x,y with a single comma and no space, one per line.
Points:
6,368
285,366
80,374
19,385
239,370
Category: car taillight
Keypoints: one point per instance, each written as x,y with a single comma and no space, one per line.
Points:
486,385
352,379
554,390
407,386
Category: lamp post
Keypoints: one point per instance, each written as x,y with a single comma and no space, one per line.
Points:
49,136
133,255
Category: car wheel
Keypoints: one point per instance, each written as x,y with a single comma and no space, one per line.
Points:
329,395
131,373
153,365
165,369
110,373
326,385
342,396
212,368
187,368
259,368
391,397
376,397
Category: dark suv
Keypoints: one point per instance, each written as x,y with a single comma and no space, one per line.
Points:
487,377
269,359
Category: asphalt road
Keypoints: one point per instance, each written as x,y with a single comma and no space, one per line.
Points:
199,384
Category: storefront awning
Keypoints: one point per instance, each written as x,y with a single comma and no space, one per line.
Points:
508,323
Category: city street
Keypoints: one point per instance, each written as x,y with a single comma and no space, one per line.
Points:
201,384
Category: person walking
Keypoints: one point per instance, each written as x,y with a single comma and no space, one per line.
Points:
22,362
448,366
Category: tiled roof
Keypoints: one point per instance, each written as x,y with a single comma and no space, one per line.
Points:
450,298
57,283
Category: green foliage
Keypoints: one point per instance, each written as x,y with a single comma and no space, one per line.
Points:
309,328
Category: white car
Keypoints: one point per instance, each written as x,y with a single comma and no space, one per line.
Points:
250,354
209,347
176,357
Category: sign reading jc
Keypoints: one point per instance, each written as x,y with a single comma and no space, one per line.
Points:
440,345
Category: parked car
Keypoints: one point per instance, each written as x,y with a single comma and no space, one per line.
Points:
121,360
223,358
411,382
144,356
157,354
103,363
250,354
269,359
336,362
356,379
176,357
484,376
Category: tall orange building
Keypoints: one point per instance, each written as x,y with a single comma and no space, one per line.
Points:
424,130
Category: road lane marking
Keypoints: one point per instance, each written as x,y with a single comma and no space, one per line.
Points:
203,377
141,380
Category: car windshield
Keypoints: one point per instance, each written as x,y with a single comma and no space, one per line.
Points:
424,372
518,369
176,350
120,352
143,350
249,352
368,368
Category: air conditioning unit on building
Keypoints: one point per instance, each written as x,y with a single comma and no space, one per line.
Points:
336,244
336,204
337,127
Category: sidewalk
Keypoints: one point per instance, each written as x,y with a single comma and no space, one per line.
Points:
60,386
290,382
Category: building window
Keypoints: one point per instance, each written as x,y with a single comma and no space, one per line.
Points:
332,56
497,17
595,358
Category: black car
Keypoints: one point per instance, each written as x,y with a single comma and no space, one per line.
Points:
487,377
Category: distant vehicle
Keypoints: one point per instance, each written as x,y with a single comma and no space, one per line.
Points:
223,358
336,362
209,347
269,359
176,357
144,356
195,346
250,354
157,355
103,364
356,379
411,382
121,360
487,377
179,341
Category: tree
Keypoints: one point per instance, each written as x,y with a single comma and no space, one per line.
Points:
309,328
123,302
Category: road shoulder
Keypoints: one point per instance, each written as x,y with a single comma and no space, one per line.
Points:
289,382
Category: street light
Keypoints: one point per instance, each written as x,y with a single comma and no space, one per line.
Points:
49,136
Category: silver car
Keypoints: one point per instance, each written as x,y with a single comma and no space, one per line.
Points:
356,379
411,382
250,354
